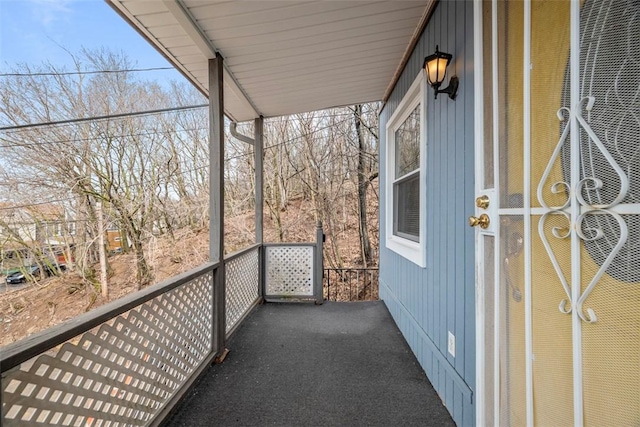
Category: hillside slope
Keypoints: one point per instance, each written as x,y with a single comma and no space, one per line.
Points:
57,299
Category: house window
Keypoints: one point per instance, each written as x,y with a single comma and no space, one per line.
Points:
405,166
406,186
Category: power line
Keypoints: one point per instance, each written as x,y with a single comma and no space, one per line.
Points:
238,156
185,172
70,73
306,134
35,204
14,144
138,113
111,116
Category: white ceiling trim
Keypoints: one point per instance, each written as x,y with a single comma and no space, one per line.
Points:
426,15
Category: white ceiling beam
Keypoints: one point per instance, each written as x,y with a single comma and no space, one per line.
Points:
190,25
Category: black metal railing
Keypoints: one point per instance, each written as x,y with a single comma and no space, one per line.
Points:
351,284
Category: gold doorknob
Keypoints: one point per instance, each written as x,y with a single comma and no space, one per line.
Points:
482,221
482,202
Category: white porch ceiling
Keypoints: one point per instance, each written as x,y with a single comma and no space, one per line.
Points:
282,57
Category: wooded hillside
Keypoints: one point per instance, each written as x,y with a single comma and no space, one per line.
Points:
68,141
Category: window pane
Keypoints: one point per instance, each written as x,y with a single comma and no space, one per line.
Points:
407,139
406,196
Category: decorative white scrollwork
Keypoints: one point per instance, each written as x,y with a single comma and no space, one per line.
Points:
586,231
558,233
560,186
624,179
598,234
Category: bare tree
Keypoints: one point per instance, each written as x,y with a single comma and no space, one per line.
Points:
150,172
126,163
364,178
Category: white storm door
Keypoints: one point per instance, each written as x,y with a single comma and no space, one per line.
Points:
558,268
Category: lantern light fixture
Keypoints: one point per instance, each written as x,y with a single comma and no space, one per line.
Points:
436,68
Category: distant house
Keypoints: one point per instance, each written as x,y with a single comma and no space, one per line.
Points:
31,232
116,241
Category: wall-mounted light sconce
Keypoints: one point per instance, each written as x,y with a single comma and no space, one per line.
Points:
436,68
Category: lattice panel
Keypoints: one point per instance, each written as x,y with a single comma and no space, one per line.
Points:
289,270
121,373
242,285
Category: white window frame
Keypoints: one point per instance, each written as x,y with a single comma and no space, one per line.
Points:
409,249
71,228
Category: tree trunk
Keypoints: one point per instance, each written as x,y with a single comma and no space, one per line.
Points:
143,271
277,204
104,285
365,244
144,275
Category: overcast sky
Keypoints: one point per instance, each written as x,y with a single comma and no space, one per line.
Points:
33,31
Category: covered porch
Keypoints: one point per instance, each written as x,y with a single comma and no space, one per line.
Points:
156,357
200,348
321,365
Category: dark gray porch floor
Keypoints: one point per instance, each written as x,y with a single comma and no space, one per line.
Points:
305,365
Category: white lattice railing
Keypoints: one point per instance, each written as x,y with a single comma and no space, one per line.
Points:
242,281
291,272
117,365
130,361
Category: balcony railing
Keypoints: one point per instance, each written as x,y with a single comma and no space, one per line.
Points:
129,362
119,364
351,284
243,289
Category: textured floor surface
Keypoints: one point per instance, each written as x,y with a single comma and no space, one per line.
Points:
337,364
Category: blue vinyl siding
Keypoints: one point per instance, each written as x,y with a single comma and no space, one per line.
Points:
428,302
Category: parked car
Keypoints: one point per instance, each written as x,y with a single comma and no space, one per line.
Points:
30,272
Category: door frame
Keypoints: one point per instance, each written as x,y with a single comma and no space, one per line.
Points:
575,209
479,149
493,212
478,132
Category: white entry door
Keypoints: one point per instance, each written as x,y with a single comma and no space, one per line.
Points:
558,183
